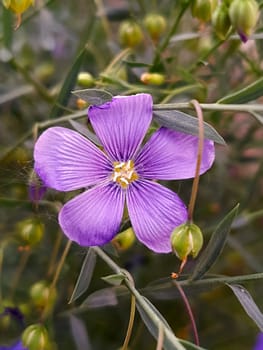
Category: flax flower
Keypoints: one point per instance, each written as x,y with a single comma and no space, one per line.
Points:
120,174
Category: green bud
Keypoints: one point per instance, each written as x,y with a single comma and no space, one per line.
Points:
203,9
152,78
130,34
30,231
125,239
187,239
244,16
155,24
35,337
42,295
221,21
85,79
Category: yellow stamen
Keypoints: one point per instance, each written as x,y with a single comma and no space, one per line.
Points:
124,173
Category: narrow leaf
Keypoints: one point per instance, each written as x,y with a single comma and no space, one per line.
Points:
115,280
185,123
68,85
79,333
101,298
136,64
7,26
249,93
84,276
94,96
85,132
215,245
153,327
248,304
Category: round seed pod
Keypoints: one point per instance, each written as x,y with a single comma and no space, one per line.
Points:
221,21
29,231
152,78
42,295
155,25
130,34
35,337
85,79
186,239
125,239
203,9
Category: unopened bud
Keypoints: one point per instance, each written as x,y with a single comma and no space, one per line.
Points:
36,189
30,231
152,78
186,239
42,295
203,9
85,79
244,16
18,6
130,34
35,337
155,24
125,239
221,21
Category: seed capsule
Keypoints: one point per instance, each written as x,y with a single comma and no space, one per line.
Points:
30,231
221,21
35,337
152,78
130,34
155,24
203,9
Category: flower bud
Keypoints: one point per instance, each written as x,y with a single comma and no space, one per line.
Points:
203,9
85,79
155,24
125,239
152,78
81,104
35,337
36,189
130,34
30,231
18,6
244,15
186,239
221,21
43,295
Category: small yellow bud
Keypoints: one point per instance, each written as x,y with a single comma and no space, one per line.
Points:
203,9
152,78
125,239
30,231
155,24
35,337
186,239
85,79
130,34
18,7
244,16
221,21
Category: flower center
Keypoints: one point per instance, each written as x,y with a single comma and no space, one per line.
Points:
124,173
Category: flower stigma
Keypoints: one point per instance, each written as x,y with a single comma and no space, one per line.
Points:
124,173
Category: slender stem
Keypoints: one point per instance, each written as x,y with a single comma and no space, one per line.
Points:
54,254
159,345
1,267
21,266
211,107
198,161
55,279
130,325
189,311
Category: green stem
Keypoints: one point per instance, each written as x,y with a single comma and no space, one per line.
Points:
211,107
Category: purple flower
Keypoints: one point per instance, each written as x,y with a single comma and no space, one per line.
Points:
16,346
123,172
259,342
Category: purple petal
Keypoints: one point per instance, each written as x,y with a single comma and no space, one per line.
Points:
121,124
259,342
93,217
171,155
66,161
154,212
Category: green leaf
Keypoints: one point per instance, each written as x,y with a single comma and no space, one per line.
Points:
136,64
7,26
153,328
186,123
115,280
85,131
101,298
248,304
215,245
93,96
85,275
68,85
79,333
249,93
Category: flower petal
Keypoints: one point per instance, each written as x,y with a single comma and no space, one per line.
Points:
154,212
171,155
66,161
122,123
93,217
